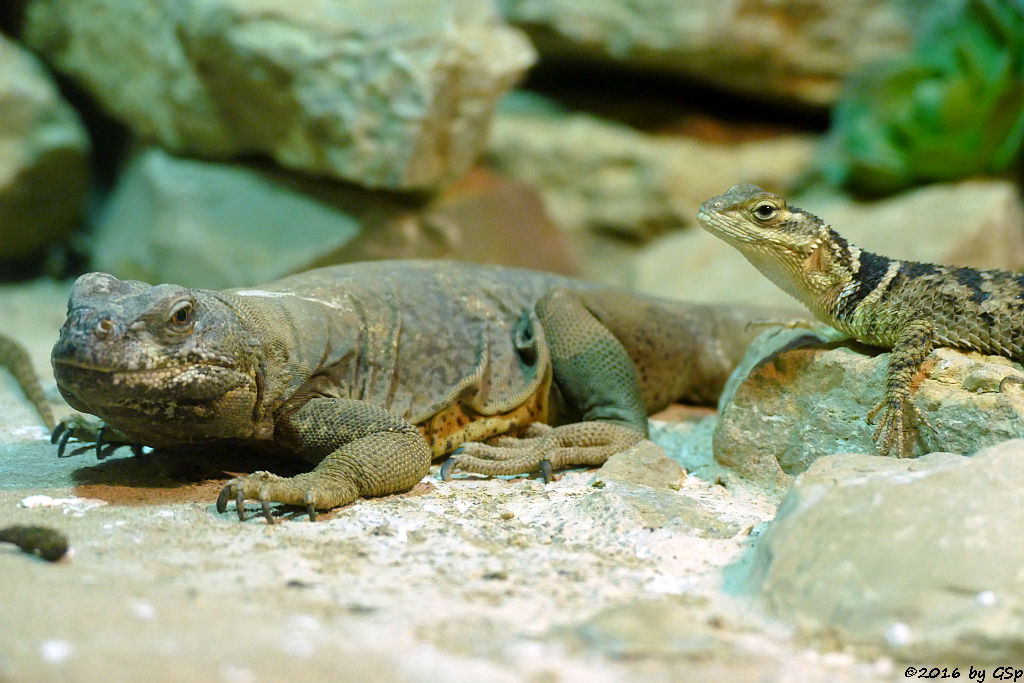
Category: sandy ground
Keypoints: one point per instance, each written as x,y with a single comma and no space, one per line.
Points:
474,579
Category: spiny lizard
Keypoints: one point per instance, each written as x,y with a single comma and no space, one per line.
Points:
905,306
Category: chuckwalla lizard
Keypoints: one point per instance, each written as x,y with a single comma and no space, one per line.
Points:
905,306
372,370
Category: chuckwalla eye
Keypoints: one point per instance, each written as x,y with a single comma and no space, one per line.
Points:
765,211
182,313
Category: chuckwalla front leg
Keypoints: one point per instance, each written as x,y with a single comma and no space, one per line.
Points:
365,451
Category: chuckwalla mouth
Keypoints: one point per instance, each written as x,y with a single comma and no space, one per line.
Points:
197,382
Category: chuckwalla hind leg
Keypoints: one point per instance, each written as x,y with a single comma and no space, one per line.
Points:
595,374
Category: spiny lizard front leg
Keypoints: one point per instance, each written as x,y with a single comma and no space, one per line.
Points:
365,451
595,374
913,345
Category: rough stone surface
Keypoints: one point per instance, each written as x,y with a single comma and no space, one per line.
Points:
644,463
600,176
976,223
797,396
43,157
211,224
795,50
388,94
919,559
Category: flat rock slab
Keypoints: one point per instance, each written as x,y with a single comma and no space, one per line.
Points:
920,559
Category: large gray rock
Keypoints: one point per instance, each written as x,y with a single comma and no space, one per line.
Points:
799,50
920,559
797,396
392,94
976,223
43,157
211,224
600,176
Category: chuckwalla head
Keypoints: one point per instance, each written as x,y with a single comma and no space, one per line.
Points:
163,363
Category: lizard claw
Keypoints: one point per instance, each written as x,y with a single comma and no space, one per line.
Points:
240,503
898,417
267,489
222,499
229,490
310,509
265,506
545,470
64,437
86,430
449,465
58,431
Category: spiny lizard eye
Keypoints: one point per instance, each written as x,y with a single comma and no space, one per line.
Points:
182,313
765,211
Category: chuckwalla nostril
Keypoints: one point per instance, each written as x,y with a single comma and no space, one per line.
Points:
104,327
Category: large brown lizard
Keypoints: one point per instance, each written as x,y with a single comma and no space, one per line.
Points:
905,306
371,370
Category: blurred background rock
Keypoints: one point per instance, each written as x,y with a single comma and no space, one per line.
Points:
228,142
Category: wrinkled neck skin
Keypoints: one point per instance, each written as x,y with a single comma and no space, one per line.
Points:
815,278
292,340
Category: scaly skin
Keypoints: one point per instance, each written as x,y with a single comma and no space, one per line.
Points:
372,370
905,306
14,357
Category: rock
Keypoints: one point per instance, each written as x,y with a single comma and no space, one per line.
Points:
798,50
798,396
644,463
387,94
649,629
214,225
913,558
483,217
600,176
43,156
631,512
976,223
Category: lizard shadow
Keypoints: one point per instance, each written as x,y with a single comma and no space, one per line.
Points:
179,474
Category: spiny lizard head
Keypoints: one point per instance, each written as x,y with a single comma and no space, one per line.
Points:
793,248
149,358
